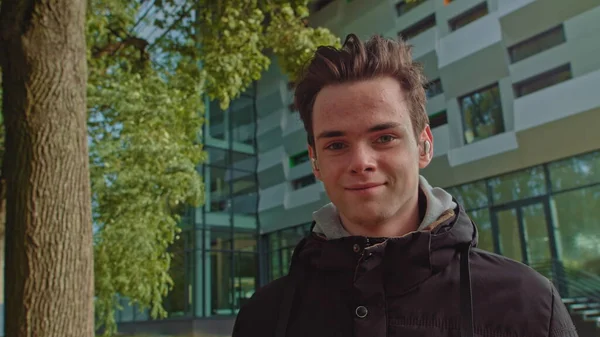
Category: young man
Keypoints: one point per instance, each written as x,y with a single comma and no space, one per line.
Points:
391,255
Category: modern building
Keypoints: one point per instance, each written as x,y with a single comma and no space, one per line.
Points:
514,107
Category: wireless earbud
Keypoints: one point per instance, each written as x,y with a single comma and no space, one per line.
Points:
427,147
315,165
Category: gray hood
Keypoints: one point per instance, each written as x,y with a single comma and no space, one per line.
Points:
439,207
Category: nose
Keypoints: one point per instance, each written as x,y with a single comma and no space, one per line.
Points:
362,159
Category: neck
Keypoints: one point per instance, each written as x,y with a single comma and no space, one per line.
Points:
406,220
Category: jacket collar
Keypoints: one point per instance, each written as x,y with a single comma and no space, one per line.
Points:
404,261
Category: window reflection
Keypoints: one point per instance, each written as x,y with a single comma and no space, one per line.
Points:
575,172
482,114
519,185
281,248
245,278
579,228
217,121
221,283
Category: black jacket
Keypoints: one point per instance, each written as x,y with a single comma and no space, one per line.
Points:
420,284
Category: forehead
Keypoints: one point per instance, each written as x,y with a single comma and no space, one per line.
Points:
358,105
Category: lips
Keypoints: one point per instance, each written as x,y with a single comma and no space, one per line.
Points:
361,187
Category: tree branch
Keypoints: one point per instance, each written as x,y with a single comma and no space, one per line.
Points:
112,48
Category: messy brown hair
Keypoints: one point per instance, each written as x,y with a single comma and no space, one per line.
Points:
356,61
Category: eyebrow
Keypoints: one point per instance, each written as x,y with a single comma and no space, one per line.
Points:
375,128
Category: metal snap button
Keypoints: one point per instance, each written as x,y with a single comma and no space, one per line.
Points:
361,312
356,248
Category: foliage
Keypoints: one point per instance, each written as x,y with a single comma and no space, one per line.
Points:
145,105
145,101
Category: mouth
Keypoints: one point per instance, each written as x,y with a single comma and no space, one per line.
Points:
363,187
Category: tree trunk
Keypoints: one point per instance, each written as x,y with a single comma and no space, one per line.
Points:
49,260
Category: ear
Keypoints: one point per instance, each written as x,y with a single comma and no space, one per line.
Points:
425,157
315,166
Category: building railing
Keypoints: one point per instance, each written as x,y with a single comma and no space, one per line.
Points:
570,282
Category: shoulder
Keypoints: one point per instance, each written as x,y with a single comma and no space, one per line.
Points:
258,317
493,269
519,293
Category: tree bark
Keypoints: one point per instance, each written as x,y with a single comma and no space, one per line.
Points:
49,257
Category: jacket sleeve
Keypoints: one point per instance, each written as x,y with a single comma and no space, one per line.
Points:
561,324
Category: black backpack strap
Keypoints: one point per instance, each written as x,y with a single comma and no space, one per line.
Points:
466,301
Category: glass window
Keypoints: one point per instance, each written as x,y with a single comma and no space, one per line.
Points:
303,182
509,237
220,239
472,195
245,278
274,241
221,283
418,28
242,121
438,119
217,157
275,269
485,239
545,80
578,228
537,44
575,171
469,16
244,183
403,7
219,178
291,236
244,241
217,121
433,88
482,114
177,303
245,204
243,161
518,185
127,312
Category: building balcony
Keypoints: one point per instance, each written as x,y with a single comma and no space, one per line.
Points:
441,140
269,123
271,167
272,197
549,104
500,143
414,15
472,56
515,16
424,43
300,171
306,195
294,136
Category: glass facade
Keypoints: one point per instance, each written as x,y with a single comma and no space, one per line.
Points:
540,214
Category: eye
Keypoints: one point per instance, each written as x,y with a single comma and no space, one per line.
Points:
335,146
385,139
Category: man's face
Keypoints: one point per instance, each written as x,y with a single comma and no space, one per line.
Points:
366,150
